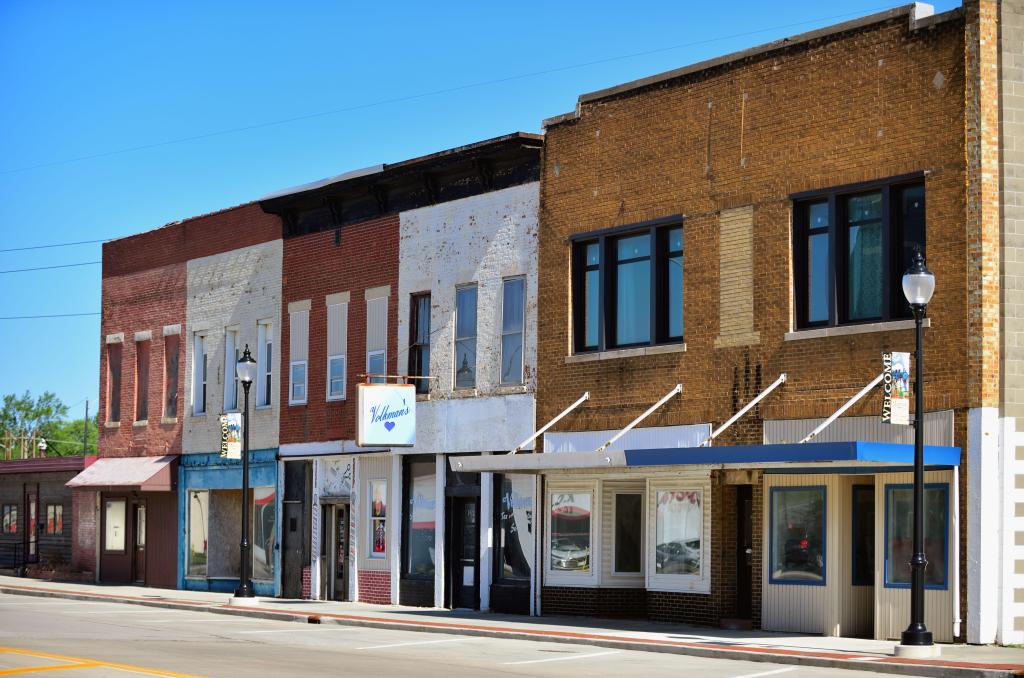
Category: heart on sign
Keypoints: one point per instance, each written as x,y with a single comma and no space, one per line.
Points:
389,425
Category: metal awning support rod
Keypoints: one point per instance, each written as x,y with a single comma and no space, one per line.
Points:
631,425
743,410
582,399
847,405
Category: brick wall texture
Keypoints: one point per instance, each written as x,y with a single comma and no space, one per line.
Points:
316,265
375,587
868,103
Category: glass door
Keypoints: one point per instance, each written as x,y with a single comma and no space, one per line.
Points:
32,524
139,554
340,553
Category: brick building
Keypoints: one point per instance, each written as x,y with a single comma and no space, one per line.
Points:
130,494
727,223
344,316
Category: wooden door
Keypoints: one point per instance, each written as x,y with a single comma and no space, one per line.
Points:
139,543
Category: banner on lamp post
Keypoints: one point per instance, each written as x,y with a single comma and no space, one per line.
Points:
387,415
896,388
231,435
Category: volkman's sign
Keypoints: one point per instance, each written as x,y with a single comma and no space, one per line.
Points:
387,415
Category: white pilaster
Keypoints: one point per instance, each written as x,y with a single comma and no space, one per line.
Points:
439,561
395,526
314,535
1010,581
984,524
354,530
486,525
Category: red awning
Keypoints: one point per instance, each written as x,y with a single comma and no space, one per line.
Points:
146,474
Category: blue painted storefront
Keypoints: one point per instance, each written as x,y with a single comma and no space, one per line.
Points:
211,472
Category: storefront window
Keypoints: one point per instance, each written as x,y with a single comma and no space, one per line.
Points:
10,525
798,535
198,533
679,519
899,531
570,531
421,504
378,518
114,519
515,527
55,519
264,519
628,533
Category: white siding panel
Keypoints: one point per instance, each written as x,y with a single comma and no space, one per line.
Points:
938,430
337,329
298,348
376,324
641,438
892,612
374,468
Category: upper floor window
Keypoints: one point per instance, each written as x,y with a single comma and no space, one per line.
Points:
171,354
465,337
232,352
419,341
513,309
141,380
337,346
628,287
298,346
264,363
200,372
851,247
113,383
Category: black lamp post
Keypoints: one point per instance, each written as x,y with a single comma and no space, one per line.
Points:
246,369
918,286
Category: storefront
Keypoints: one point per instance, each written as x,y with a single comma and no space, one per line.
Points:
137,499
811,538
210,516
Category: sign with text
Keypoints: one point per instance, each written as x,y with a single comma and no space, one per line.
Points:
231,435
387,415
896,388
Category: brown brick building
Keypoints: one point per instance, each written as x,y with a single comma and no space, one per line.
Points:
748,217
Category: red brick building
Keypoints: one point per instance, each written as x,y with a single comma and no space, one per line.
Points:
130,492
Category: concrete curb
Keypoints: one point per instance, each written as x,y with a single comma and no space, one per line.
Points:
832,660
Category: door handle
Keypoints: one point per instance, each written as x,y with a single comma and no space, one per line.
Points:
749,551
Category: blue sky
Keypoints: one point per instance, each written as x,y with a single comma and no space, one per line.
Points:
92,79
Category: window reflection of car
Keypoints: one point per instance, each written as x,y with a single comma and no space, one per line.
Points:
801,555
568,555
681,556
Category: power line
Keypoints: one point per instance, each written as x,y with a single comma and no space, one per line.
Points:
421,95
49,315
47,268
59,244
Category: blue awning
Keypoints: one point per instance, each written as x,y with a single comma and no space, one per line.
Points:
857,451
837,457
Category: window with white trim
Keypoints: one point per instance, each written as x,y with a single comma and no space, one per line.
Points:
571,534
376,338
232,353
298,348
200,372
264,363
465,336
513,311
337,350
678,539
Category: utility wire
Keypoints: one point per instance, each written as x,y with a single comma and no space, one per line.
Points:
59,244
47,268
422,95
50,315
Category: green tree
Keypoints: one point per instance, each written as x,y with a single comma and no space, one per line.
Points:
22,417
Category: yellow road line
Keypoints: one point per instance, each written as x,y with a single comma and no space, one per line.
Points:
83,662
49,667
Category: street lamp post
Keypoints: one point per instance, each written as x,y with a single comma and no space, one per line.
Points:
918,286
246,369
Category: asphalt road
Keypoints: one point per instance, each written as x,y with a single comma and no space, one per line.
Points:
111,639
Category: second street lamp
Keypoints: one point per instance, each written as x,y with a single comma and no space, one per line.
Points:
246,370
918,286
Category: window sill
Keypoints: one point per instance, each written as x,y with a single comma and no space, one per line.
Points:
510,389
421,397
615,354
299,403
464,393
140,423
846,330
336,399
166,421
111,424
198,415
263,407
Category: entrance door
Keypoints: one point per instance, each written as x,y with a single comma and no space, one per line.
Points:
339,554
464,565
744,549
294,548
32,524
139,544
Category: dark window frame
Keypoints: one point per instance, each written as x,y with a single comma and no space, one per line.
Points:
418,367
606,239
10,510
778,490
406,516
893,307
115,370
54,532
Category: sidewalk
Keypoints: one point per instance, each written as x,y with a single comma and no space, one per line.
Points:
850,653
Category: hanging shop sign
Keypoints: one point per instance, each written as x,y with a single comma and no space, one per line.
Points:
231,435
896,388
387,415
